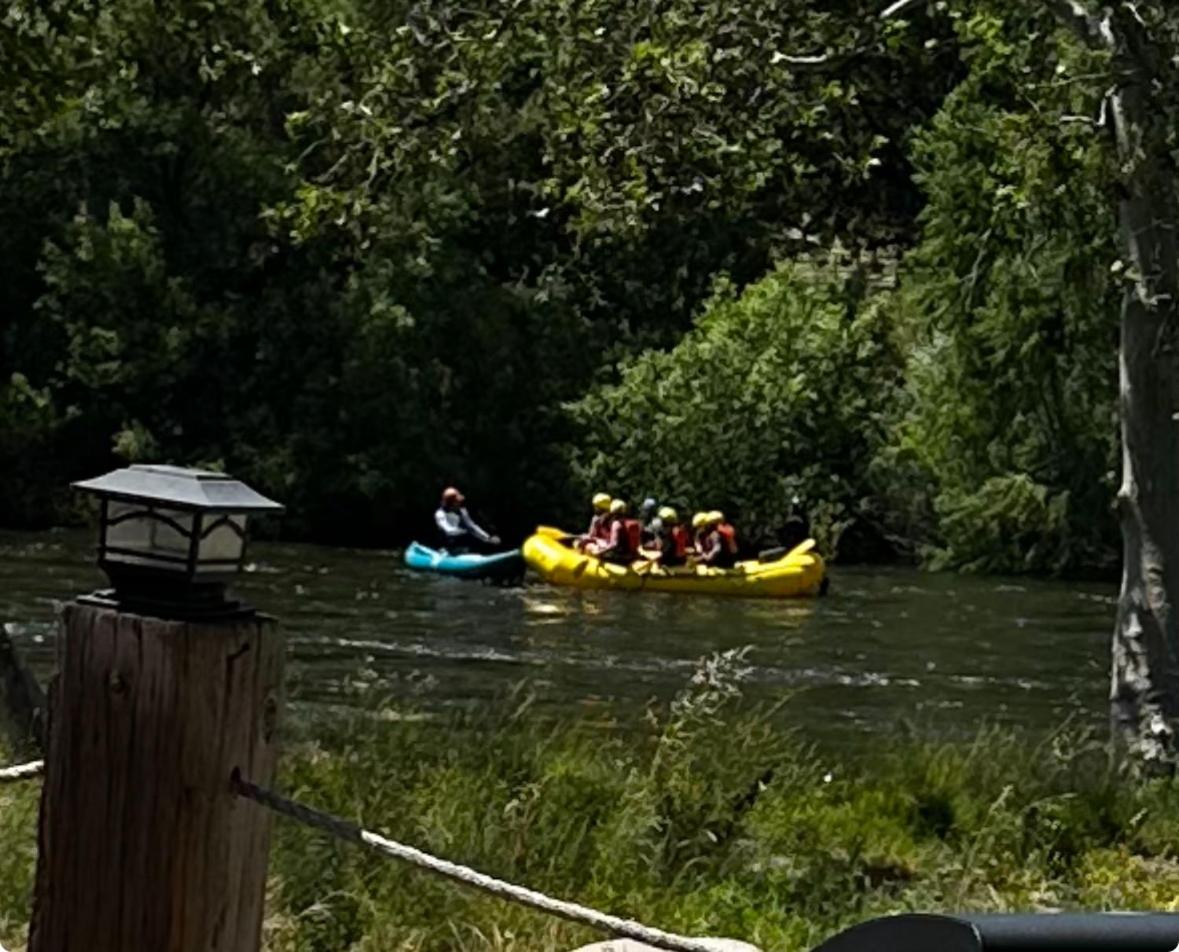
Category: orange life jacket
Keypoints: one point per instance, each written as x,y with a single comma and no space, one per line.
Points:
728,537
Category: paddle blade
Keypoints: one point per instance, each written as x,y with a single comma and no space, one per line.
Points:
801,549
769,556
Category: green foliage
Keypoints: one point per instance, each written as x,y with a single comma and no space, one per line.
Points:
776,394
352,250
29,423
1003,454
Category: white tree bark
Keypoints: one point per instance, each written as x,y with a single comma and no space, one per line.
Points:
1144,683
1144,689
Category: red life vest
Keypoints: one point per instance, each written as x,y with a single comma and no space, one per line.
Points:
632,535
600,529
679,541
728,537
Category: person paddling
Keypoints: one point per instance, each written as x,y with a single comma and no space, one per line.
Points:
649,519
673,539
459,532
625,537
599,527
719,547
699,530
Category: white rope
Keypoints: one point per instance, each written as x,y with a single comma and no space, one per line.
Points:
346,830
22,772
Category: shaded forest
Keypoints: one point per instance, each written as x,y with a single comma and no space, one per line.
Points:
752,256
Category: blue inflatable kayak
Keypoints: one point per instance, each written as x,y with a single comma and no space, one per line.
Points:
501,565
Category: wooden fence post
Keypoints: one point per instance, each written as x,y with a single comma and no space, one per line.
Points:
142,845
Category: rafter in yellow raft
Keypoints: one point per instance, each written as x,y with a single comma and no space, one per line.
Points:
798,573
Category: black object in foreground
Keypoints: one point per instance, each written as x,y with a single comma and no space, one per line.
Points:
1125,932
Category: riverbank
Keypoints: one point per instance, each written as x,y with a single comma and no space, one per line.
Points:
705,818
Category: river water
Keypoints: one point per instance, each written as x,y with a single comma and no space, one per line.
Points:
888,648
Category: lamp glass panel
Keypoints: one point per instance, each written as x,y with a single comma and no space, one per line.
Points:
226,543
146,539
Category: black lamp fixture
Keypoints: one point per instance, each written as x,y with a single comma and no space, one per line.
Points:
170,539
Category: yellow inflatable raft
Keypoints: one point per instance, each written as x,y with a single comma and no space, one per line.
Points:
799,572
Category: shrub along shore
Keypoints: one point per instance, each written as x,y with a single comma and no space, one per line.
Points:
704,818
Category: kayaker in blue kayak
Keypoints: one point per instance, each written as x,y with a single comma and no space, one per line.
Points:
458,532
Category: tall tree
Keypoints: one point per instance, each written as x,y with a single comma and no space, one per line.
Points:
1140,40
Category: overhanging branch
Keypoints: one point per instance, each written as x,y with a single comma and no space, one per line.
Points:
815,61
820,59
1093,30
900,6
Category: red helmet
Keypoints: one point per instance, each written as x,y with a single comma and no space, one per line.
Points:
450,494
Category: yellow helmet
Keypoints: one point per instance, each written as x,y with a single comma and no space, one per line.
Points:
667,514
618,507
715,516
602,501
700,520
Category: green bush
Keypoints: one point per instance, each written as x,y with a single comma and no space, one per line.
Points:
1003,452
29,423
777,393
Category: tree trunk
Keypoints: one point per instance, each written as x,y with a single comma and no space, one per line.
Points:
1144,690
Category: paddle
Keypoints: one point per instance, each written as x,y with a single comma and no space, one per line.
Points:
645,562
802,548
776,555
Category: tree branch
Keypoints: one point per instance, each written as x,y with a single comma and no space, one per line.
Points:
900,6
1094,31
824,59
1132,29
1100,121
818,60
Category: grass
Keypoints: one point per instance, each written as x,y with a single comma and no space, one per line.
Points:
18,853
703,819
